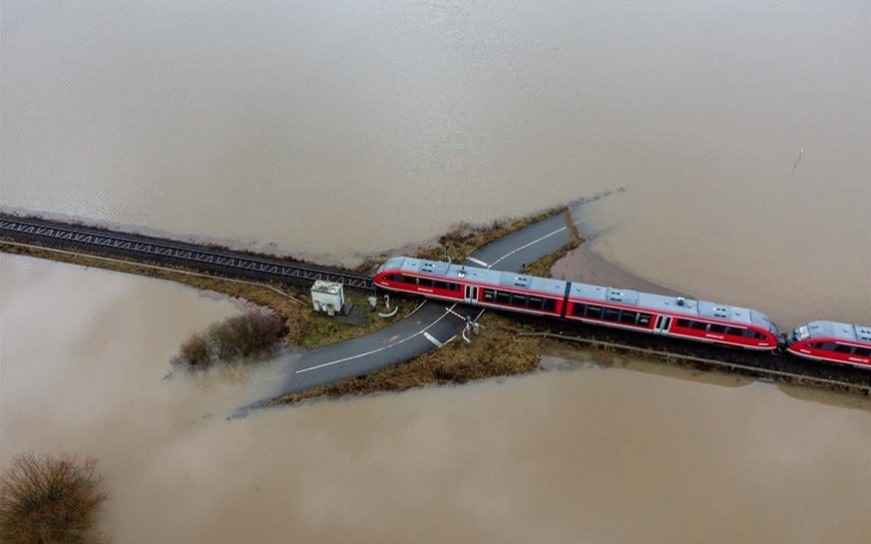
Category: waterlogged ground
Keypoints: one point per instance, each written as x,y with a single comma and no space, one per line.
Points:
590,454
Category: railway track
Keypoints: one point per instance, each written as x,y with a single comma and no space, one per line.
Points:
147,248
767,366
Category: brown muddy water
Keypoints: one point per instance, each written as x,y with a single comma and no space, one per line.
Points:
740,132
584,455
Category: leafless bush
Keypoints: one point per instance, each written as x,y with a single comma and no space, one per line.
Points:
195,351
50,499
245,336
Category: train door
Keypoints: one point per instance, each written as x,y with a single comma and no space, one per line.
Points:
471,294
663,323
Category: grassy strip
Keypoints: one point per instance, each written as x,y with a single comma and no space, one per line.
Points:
497,352
279,298
304,327
463,239
542,266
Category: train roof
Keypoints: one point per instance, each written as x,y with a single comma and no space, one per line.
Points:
842,331
671,304
629,297
483,275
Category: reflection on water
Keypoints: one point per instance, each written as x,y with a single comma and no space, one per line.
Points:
338,128
592,454
568,356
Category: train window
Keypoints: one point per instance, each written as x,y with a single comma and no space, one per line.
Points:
440,285
718,329
579,309
503,298
535,302
518,300
489,295
698,325
828,346
426,282
610,314
841,348
454,286
409,279
734,331
594,311
628,317
644,320
549,305
684,323
862,352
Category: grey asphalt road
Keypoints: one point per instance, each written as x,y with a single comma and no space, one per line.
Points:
428,327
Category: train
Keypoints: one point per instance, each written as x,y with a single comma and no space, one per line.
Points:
664,315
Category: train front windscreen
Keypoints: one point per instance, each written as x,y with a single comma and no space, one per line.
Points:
799,334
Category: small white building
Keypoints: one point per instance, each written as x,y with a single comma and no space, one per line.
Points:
328,296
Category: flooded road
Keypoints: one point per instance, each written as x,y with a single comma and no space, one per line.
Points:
740,132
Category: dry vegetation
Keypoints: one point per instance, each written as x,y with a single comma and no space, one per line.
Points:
465,238
50,500
249,336
498,351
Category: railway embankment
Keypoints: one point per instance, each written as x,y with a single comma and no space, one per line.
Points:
287,299
508,345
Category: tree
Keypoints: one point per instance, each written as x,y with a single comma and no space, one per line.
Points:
50,499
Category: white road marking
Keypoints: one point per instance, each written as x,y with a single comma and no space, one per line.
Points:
433,339
537,240
423,331
370,352
478,262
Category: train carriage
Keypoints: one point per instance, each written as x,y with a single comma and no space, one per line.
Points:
656,314
832,341
472,285
697,320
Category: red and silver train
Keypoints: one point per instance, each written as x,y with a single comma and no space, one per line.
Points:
697,320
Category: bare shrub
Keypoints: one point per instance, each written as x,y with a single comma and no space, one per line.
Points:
245,336
195,351
50,499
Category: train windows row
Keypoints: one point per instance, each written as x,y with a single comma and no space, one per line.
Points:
719,329
424,282
626,317
517,300
841,348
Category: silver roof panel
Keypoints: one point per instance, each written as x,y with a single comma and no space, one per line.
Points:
842,331
675,305
628,297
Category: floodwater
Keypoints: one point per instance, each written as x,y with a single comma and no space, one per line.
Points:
741,133
586,455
